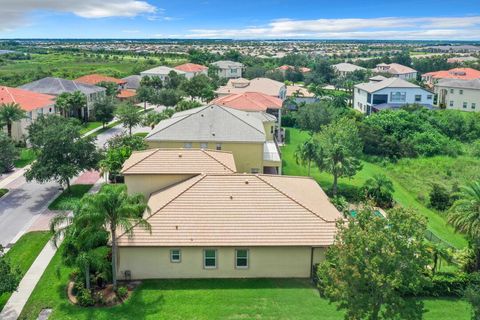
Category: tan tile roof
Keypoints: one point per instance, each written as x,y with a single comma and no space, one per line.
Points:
239,210
263,85
179,161
302,91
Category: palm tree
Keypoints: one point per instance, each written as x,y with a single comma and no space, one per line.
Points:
380,190
9,113
62,103
464,215
115,209
306,153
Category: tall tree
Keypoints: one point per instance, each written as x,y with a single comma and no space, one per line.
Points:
339,149
73,102
9,277
129,116
464,216
380,190
169,97
145,94
373,262
114,208
111,88
8,153
104,110
61,151
9,113
306,153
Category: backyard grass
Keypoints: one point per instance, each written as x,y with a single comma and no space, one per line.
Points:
23,253
89,126
141,134
403,191
26,156
3,192
67,200
208,299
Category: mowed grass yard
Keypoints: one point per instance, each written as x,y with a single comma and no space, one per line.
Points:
408,177
23,253
208,299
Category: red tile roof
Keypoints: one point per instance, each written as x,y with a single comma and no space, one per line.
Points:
456,73
249,101
27,100
191,67
127,93
93,79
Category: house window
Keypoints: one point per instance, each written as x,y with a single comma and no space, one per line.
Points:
473,105
187,145
418,97
204,145
218,146
398,96
255,170
429,97
451,103
175,256
460,91
210,259
451,91
464,105
271,129
241,258
233,70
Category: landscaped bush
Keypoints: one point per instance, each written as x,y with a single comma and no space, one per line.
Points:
289,120
440,197
450,284
85,298
3,192
122,292
287,136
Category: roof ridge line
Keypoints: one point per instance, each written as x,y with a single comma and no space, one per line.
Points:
217,160
202,176
154,151
179,120
248,124
291,198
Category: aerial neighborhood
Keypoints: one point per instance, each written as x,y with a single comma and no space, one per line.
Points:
215,178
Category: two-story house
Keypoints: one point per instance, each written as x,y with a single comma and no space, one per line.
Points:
263,85
390,93
458,94
229,69
192,69
396,70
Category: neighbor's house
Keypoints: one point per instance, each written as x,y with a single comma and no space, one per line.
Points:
132,82
391,93
254,102
229,69
263,85
396,70
150,170
57,86
300,95
248,135
230,226
458,94
95,79
344,69
34,104
192,69
161,72
431,78
461,59
283,69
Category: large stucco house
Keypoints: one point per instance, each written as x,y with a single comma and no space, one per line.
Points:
229,69
34,104
458,94
396,70
160,72
56,86
222,224
263,85
248,135
343,69
192,69
431,78
391,93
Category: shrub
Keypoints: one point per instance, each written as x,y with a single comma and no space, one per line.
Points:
99,298
289,120
340,203
472,295
439,197
3,192
85,298
287,136
380,190
122,292
450,284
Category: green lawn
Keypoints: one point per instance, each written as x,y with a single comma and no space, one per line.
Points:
141,134
23,253
404,194
26,157
3,192
208,299
68,199
89,126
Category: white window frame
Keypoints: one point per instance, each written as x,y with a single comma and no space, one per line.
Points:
429,97
451,103
218,147
204,145
465,105
205,259
187,145
247,258
172,260
419,96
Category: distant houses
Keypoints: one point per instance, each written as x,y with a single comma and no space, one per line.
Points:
343,69
34,104
396,70
192,69
391,93
161,72
94,79
229,69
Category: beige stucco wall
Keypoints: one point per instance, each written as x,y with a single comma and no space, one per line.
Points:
20,128
247,156
264,262
148,183
469,96
269,128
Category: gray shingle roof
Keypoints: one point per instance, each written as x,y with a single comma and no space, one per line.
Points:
459,83
133,82
209,123
56,86
226,64
387,83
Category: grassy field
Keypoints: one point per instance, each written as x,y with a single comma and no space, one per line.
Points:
208,299
23,253
403,191
89,126
26,157
67,200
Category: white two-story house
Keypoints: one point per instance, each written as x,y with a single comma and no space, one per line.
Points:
229,69
391,93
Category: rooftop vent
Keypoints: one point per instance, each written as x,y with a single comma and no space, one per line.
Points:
246,181
231,197
179,155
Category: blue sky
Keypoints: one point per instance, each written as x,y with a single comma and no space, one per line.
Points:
244,19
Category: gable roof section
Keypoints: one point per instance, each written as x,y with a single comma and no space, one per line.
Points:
227,64
394,68
133,81
455,73
302,92
249,101
161,70
347,67
209,123
56,86
263,85
27,100
387,83
179,161
458,83
191,67
239,210
94,79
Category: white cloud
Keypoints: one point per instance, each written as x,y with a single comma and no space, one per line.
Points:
14,12
376,28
